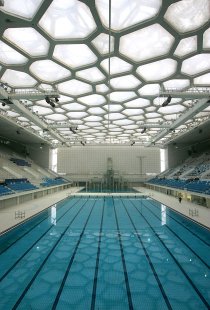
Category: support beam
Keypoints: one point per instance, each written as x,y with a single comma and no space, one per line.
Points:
192,93
198,107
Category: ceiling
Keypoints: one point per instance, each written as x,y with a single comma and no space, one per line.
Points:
109,62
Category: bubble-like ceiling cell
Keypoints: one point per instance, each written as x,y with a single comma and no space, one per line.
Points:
74,55
196,64
74,106
49,71
41,110
28,40
123,122
203,80
56,117
177,83
93,118
146,43
157,70
78,115
149,90
171,109
186,46
137,103
124,82
74,87
68,19
113,107
114,116
152,115
206,39
131,112
102,88
92,100
101,43
18,79
96,111
122,95
92,75
127,13
10,56
22,8
117,65
188,15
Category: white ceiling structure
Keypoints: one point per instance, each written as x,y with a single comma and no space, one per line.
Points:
112,64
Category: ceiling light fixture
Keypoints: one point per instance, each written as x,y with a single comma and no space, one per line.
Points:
73,129
144,130
132,143
167,101
48,100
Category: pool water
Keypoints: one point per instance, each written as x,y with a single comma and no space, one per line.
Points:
106,253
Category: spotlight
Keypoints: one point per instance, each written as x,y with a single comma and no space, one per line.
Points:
73,129
132,143
48,100
83,143
167,101
144,130
56,99
3,104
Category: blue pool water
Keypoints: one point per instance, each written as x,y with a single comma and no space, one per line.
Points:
107,253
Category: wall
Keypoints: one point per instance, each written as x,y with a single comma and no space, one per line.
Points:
39,154
176,156
89,160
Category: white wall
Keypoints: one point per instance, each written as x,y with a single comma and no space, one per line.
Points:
93,159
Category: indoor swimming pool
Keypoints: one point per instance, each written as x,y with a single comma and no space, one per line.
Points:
105,253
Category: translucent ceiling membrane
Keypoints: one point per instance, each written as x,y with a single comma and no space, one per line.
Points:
122,96
28,40
203,80
171,109
101,43
56,117
41,110
92,100
114,116
137,103
93,75
96,111
130,112
68,19
74,87
186,46
49,71
74,106
177,83
21,8
206,39
127,13
10,56
18,79
113,107
150,90
124,82
188,15
117,65
102,88
146,43
158,70
196,64
76,114
74,55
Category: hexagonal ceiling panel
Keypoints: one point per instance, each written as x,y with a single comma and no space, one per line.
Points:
106,72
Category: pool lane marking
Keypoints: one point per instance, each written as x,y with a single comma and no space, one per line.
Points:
130,303
93,299
173,232
178,264
71,261
26,252
184,225
46,258
150,262
27,232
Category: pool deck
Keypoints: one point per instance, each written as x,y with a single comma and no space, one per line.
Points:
14,215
